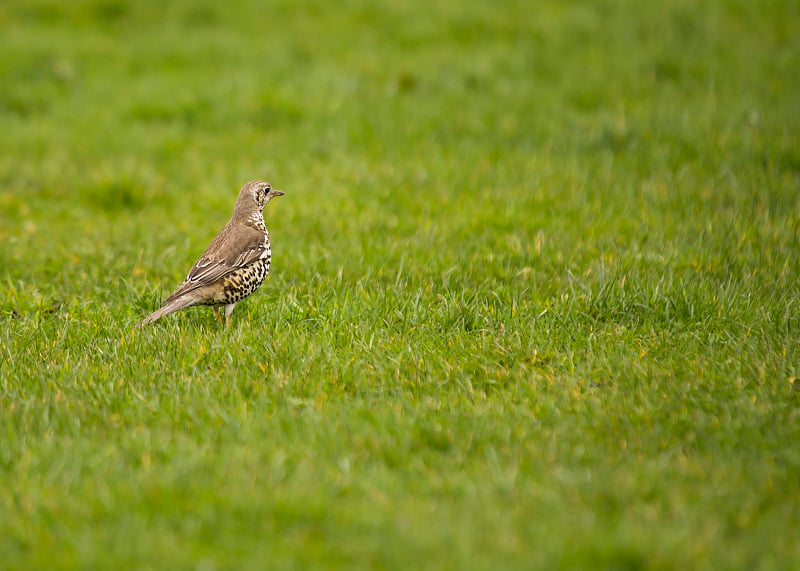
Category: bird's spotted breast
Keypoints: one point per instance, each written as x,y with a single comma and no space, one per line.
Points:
241,283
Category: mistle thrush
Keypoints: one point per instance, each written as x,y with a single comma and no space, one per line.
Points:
235,263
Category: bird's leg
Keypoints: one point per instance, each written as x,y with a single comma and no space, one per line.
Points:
217,315
228,311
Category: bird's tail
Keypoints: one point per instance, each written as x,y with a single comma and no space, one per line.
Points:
174,305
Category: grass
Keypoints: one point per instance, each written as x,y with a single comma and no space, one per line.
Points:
534,300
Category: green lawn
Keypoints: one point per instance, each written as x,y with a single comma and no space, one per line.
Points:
534,303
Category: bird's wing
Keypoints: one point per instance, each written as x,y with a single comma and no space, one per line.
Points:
232,249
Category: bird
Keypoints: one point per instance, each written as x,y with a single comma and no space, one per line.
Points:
234,265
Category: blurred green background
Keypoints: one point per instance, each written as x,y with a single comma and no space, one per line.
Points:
533,300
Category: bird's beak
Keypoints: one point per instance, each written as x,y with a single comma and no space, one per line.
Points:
276,192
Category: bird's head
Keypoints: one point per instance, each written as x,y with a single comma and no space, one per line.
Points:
256,193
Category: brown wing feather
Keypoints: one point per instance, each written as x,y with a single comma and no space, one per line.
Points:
223,256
